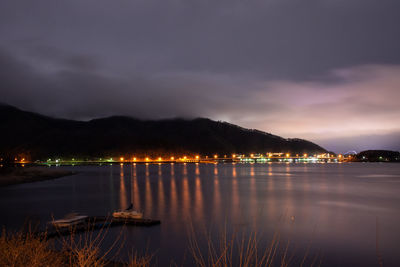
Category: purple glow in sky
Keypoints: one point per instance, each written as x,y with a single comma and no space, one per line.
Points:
327,71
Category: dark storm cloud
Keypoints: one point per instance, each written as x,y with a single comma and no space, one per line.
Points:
54,56
74,93
295,68
275,38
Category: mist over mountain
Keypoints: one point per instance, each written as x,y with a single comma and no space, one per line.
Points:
38,137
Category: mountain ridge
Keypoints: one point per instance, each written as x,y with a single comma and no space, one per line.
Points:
39,136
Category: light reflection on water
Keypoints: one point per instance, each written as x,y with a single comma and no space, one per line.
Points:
217,194
135,189
336,205
186,201
123,193
198,196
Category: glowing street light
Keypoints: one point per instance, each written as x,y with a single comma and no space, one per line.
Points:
215,156
147,159
197,157
172,158
121,158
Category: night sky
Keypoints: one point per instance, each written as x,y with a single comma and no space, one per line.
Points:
323,70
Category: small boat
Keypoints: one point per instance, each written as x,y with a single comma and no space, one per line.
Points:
70,220
129,213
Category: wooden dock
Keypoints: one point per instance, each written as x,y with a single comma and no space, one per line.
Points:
94,223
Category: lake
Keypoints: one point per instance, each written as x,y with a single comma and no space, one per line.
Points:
338,214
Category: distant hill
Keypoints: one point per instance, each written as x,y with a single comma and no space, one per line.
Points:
378,156
41,136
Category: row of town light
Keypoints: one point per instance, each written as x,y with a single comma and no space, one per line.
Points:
197,157
161,159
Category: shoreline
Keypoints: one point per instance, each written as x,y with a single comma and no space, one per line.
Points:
31,174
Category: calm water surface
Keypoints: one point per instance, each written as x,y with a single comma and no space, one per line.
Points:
334,210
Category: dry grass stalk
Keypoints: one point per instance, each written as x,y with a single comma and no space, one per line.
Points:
245,250
83,250
137,260
26,249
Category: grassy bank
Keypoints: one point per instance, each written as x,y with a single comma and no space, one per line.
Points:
19,175
27,249
244,250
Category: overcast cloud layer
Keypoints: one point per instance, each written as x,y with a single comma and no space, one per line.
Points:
326,70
